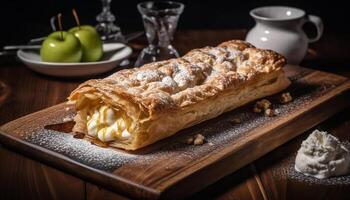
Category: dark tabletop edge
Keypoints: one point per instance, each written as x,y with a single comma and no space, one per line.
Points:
65,164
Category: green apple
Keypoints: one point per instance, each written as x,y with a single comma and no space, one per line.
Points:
61,46
90,42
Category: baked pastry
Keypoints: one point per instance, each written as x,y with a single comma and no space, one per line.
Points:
133,108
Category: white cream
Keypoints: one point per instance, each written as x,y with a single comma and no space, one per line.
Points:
125,134
322,155
106,115
92,124
106,126
107,134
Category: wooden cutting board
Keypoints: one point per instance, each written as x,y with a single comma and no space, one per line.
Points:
171,168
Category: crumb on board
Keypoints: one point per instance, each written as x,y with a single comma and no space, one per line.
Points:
286,97
263,104
67,119
270,112
198,139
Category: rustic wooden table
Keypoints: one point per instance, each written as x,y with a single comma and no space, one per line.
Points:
23,91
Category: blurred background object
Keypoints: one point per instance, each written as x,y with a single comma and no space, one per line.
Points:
106,26
160,22
279,28
23,20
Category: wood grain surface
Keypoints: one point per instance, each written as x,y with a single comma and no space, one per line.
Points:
31,92
174,169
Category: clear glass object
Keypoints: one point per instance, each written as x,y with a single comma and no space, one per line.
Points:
160,21
106,27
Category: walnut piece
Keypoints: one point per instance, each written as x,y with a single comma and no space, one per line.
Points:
263,104
199,139
269,112
286,97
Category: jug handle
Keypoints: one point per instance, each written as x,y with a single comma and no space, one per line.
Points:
319,27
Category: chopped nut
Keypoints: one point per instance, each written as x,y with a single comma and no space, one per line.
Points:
263,104
235,120
269,112
256,109
189,140
199,140
210,144
200,136
286,97
67,108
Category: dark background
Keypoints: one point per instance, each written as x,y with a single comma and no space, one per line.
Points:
24,19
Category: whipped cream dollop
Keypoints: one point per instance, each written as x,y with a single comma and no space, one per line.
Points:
322,155
105,125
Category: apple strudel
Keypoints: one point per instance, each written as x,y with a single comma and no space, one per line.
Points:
136,107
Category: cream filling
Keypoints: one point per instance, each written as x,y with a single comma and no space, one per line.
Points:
107,124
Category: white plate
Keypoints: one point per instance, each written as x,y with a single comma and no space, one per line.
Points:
114,54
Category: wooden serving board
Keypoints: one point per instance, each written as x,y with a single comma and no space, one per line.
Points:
171,168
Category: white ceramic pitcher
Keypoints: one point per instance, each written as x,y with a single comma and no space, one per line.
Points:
280,28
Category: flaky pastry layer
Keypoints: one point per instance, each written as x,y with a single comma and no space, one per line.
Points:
161,98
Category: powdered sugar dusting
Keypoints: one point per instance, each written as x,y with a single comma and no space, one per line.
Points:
169,82
148,75
219,53
80,150
182,77
233,54
218,132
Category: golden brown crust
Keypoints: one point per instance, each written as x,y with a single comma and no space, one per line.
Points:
199,74
176,85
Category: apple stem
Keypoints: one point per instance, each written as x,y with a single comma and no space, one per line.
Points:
59,17
75,14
